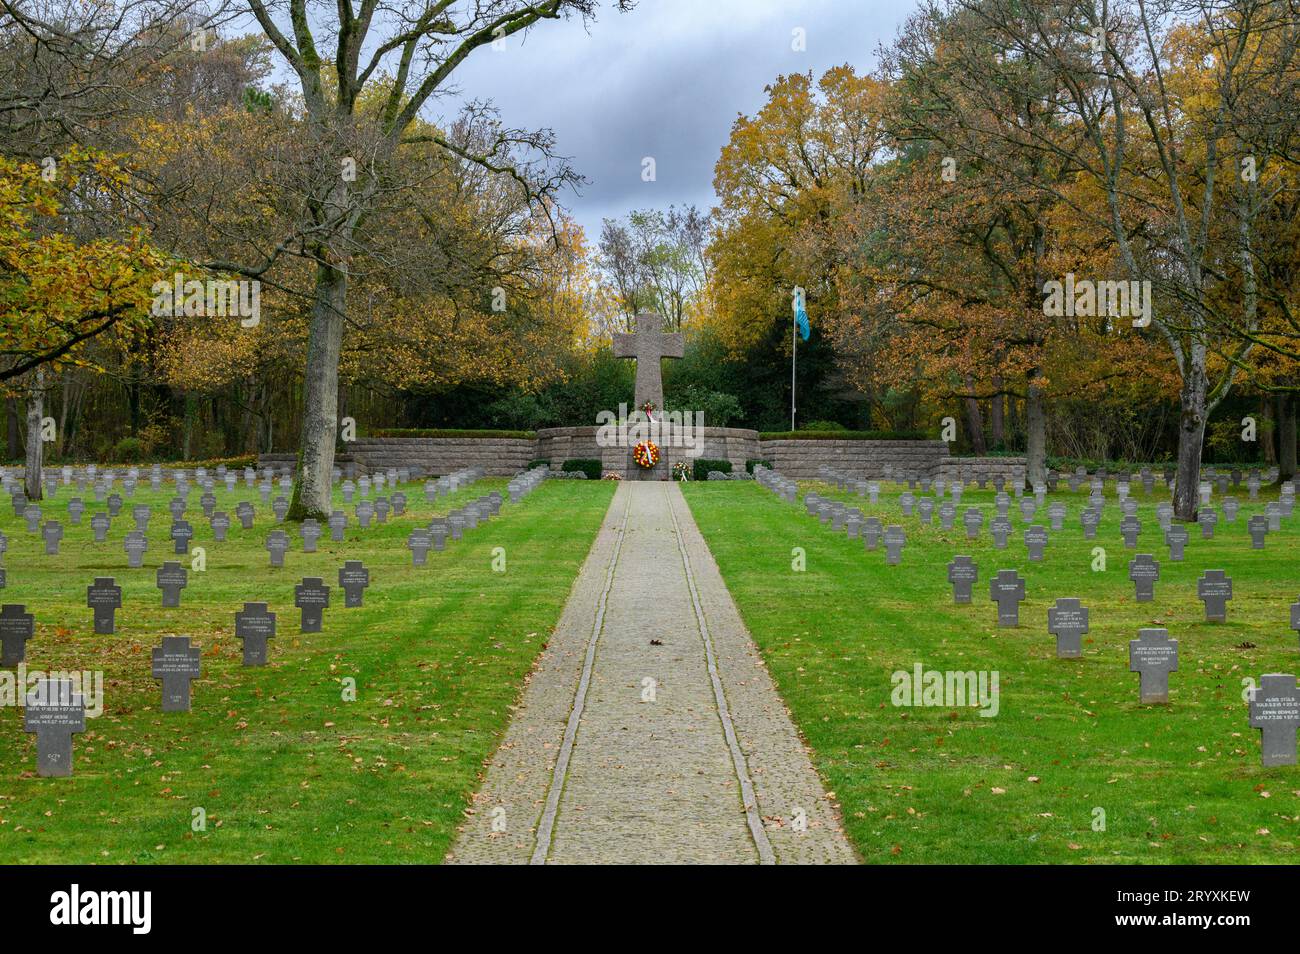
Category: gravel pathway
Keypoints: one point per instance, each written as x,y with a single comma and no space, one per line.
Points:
650,732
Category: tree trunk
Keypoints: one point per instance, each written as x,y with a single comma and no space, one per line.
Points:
35,448
974,421
1035,433
311,488
995,414
1191,436
1286,450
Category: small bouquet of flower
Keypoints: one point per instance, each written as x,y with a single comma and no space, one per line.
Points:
610,475
646,454
681,471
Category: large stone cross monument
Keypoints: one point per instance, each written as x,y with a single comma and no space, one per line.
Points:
647,347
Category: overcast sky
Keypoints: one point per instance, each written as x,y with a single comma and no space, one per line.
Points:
666,80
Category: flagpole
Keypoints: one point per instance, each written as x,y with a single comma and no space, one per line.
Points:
794,350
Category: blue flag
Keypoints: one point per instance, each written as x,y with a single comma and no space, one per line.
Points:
801,318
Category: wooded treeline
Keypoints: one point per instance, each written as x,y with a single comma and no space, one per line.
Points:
409,274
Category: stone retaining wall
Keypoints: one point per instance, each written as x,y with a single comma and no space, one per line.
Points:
971,469
801,459
498,456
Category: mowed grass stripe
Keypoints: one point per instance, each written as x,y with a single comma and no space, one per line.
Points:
284,768
1177,784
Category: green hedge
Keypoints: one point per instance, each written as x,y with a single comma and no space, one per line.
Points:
845,436
538,462
588,466
754,462
443,432
703,465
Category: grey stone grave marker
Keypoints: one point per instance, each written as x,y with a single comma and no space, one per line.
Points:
171,579
973,520
75,509
418,542
1007,589
54,712
1257,526
872,531
245,513
220,524
312,596
353,579
1056,514
962,574
277,542
1130,528
1000,528
1273,512
1068,621
181,534
438,531
1165,515
1214,590
104,597
1275,709
254,625
365,510
1144,571
176,662
1153,655
52,533
338,525
1176,539
310,533
135,546
16,627
925,509
895,538
1035,541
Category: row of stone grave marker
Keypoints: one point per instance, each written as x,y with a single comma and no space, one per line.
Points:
103,482
54,712
182,532
840,516
1210,476
1274,707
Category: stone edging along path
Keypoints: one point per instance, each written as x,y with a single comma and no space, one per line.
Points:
650,731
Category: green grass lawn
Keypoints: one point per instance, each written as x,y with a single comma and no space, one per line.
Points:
1178,784
285,770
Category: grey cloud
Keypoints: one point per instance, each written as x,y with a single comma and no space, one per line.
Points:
666,80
